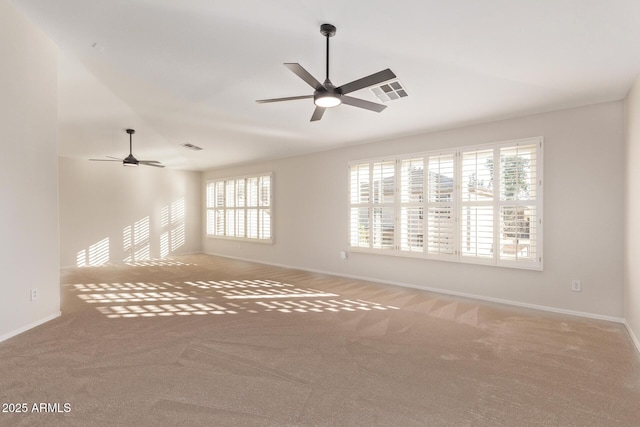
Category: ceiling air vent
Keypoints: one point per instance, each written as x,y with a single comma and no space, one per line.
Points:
191,146
389,91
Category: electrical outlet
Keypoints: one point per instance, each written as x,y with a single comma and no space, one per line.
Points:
34,294
576,286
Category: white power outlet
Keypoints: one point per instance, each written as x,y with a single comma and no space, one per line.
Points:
576,286
35,294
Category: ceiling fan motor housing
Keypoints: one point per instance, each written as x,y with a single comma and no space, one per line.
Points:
130,161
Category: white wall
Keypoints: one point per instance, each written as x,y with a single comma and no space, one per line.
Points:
109,213
28,169
583,214
632,213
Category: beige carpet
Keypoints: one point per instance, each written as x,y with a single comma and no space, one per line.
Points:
200,340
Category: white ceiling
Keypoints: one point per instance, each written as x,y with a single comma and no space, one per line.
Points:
191,70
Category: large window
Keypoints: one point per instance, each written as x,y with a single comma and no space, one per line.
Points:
473,204
240,208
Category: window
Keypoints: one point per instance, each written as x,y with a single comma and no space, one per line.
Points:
473,204
240,208
373,205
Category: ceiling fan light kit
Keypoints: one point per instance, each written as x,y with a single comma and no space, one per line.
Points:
327,99
326,95
130,160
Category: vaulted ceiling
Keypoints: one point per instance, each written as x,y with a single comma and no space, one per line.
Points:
189,71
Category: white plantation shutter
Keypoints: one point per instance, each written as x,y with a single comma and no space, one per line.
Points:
477,205
518,225
359,223
264,208
211,211
412,231
383,203
518,219
218,211
252,208
476,234
440,205
476,219
230,213
372,211
264,194
239,222
264,224
239,208
383,228
252,223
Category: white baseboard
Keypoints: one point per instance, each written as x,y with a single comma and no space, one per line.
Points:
441,291
30,326
634,338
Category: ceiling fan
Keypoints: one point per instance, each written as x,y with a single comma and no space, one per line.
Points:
130,160
326,95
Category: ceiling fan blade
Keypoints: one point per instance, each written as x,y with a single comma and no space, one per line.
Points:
105,160
290,98
150,163
299,71
114,158
361,103
373,79
317,114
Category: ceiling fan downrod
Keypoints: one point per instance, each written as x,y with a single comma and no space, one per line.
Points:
327,30
130,132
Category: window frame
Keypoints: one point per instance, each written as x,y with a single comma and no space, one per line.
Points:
241,206
532,206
